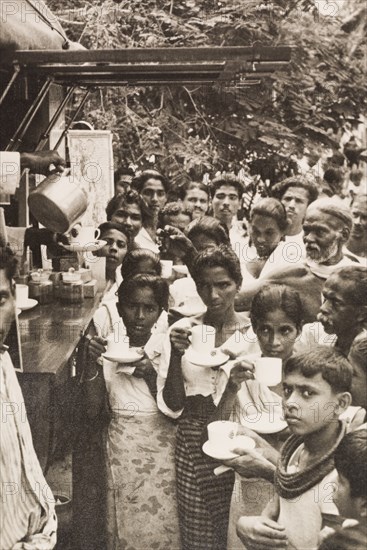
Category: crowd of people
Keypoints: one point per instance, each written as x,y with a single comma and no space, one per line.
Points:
288,283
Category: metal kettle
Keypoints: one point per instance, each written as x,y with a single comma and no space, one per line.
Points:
58,202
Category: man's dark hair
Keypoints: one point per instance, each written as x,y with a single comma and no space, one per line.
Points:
139,181
333,366
271,208
351,461
279,189
130,264
108,226
158,286
224,257
193,185
8,262
121,199
217,182
211,228
173,209
357,277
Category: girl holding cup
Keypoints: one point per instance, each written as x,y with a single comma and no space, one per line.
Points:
192,393
136,262
277,319
139,440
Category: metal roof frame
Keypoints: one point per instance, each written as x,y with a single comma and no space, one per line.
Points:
137,67
149,66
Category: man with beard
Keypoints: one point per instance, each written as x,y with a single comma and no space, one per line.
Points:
357,244
327,227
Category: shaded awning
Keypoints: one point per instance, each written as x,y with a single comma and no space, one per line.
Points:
88,69
151,66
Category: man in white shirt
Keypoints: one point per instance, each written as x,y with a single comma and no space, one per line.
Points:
27,517
296,194
153,188
226,192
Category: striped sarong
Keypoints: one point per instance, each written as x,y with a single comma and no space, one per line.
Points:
203,498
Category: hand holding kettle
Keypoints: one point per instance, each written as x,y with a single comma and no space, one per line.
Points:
40,162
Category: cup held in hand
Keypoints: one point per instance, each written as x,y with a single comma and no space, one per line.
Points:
117,344
203,339
221,433
268,370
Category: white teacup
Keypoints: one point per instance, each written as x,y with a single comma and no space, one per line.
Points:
203,338
86,235
268,370
117,344
21,293
166,266
222,432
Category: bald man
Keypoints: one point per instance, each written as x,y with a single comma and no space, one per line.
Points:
327,227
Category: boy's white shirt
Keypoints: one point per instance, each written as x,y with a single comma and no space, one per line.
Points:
302,517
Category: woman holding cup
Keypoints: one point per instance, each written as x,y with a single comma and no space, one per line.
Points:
192,393
277,319
139,440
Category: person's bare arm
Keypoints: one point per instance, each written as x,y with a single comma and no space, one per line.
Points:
93,381
241,371
244,296
253,463
174,390
39,162
262,532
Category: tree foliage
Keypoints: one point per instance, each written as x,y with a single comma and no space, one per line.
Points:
192,130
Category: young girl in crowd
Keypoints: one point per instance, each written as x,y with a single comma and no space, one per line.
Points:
277,318
192,393
118,244
137,261
139,443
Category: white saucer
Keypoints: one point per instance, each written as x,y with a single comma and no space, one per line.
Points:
219,453
128,357
181,269
29,304
86,247
263,424
214,359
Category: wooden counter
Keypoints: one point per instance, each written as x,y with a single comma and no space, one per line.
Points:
50,335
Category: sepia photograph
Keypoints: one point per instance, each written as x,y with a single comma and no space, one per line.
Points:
183,275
